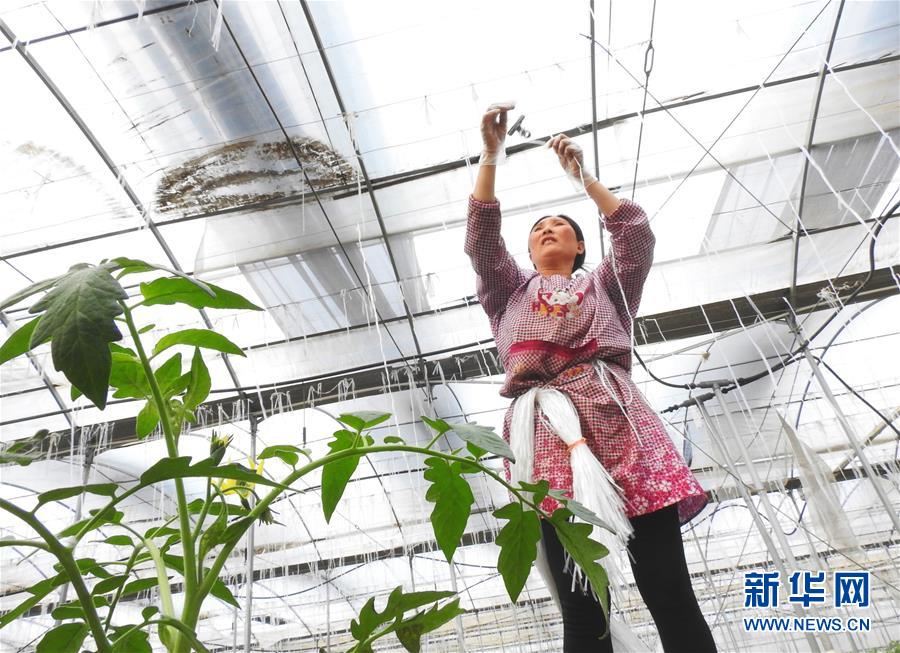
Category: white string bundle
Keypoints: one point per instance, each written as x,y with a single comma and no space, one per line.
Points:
592,485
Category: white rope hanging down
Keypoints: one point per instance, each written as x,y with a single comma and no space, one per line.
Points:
592,485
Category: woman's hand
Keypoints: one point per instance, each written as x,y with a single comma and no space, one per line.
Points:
571,158
493,133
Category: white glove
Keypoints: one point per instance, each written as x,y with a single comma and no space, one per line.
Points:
571,158
493,133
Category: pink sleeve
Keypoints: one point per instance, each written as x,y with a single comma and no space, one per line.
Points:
626,265
498,274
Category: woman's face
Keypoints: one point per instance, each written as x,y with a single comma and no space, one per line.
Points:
553,243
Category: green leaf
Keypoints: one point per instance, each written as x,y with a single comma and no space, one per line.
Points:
583,513
19,342
38,591
198,338
287,452
140,585
168,375
391,439
189,634
485,438
410,631
518,546
200,383
79,320
539,490
147,420
475,450
27,292
452,498
65,638
127,374
196,506
70,610
438,425
133,265
119,540
575,538
74,393
109,516
146,328
132,641
336,474
363,419
397,604
103,489
221,592
177,290
148,612
180,467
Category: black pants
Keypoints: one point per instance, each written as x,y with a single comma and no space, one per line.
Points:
662,578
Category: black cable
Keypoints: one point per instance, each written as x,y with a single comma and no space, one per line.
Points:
856,394
793,356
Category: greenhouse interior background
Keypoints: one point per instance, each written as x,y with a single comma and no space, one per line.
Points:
317,158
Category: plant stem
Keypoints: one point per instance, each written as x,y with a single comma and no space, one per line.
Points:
31,543
187,542
66,559
219,562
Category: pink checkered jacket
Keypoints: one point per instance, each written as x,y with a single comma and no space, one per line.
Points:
543,342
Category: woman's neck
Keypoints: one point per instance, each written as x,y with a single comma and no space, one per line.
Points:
550,270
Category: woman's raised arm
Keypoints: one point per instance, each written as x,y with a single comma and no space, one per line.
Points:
626,266
498,274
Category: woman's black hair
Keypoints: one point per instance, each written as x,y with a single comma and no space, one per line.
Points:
579,237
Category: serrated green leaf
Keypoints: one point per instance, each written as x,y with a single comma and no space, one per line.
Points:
438,425
287,452
410,631
79,320
363,419
177,290
147,420
518,546
398,602
575,538
65,638
102,489
27,292
203,338
127,375
538,490
336,474
452,498
484,437
20,341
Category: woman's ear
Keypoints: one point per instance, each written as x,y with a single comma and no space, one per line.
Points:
580,249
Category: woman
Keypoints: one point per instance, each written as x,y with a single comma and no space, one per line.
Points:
573,335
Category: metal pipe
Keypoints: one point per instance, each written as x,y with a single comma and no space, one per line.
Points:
851,437
777,560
